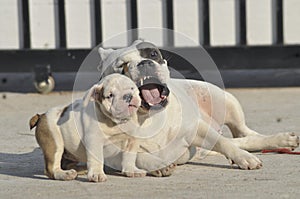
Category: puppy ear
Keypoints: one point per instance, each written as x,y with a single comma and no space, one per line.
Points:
93,94
104,53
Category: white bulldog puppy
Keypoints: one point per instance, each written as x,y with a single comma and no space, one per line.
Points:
81,130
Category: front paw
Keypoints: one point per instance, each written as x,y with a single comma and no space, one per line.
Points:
246,160
134,172
97,176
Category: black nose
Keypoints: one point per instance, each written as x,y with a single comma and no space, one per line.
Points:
147,68
127,97
146,63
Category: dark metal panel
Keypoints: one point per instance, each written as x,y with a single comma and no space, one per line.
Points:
26,24
256,57
242,26
170,22
98,21
62,24
133,19
245,57
278,22
242,57
61,60
205,22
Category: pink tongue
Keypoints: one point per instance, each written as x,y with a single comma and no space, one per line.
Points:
151,96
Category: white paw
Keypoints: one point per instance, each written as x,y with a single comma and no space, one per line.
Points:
97,176
246,160
287,140
164,172
134,172
65,175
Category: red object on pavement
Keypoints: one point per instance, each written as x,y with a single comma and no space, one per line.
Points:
281,150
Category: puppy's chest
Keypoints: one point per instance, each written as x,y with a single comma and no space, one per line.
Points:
114,135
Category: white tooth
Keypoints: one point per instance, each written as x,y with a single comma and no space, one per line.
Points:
151,104
142,82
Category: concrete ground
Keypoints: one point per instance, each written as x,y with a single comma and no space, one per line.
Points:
267,111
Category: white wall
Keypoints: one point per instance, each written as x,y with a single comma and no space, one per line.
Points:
42,24
115,23
78,23
9,25
186,22
222,22
291,21
151,13
259,22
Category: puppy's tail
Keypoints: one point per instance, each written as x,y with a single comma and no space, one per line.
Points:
34,120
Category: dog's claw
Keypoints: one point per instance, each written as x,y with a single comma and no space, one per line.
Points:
97,177
231,162
164,172
65,175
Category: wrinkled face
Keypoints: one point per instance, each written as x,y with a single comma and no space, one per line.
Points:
118,98
143,63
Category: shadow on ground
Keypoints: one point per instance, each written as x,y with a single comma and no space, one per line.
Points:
29,165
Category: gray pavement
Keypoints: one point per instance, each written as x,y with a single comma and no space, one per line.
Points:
267,110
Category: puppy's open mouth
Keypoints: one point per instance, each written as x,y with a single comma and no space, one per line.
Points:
154,94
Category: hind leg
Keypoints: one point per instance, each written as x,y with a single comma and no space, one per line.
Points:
260,142
208,138
235,118
52,146
69,162
248,139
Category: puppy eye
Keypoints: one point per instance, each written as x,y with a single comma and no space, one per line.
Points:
132,88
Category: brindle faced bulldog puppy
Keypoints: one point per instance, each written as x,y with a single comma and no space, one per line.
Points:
83,129
186,113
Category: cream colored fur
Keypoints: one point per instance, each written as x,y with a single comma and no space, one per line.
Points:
84,128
